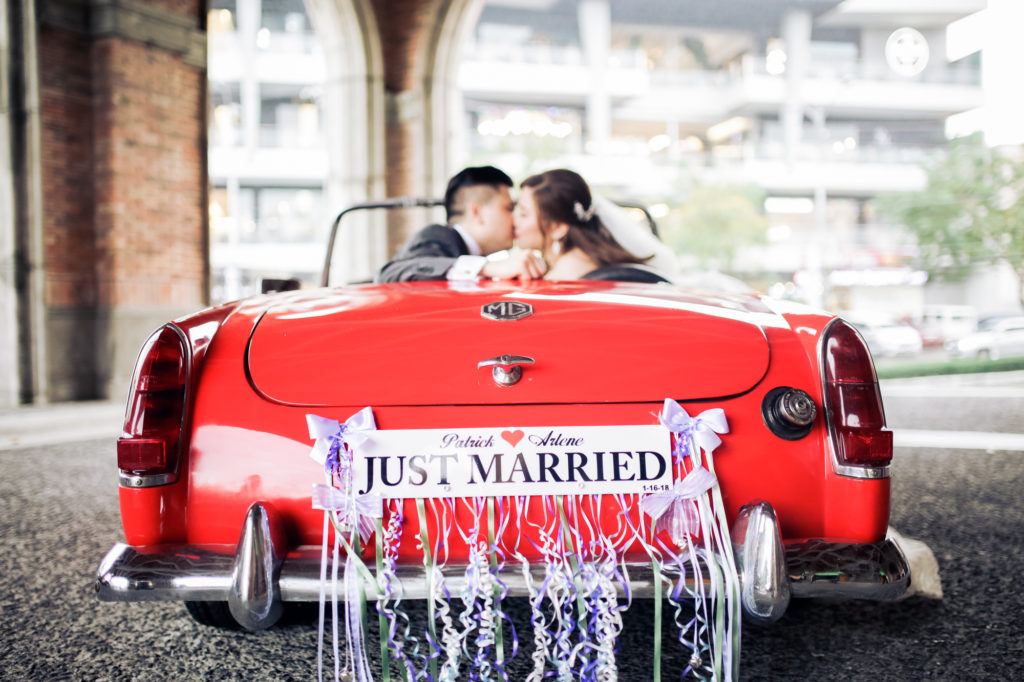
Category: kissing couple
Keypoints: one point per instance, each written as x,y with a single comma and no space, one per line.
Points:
561,231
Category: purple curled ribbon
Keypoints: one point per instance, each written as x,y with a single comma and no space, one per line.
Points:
676,510
354,510
331,435
702,429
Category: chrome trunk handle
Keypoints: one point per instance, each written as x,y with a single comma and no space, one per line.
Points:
508,369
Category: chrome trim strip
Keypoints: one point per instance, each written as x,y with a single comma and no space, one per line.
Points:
857,472
133,481
761,561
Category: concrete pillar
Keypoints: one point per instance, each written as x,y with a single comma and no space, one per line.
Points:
1001,57
24,274
249,14
233,274
796,32
10,372
595,24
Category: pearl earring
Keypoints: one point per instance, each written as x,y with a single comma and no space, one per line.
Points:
556,247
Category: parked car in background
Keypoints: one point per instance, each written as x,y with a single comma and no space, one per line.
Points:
887,336
997,337
944,324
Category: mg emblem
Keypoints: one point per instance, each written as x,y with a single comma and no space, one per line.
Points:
506,310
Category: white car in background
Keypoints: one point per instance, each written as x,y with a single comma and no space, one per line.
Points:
1000,338
886,336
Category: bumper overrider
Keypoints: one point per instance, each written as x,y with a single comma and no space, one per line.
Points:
259,574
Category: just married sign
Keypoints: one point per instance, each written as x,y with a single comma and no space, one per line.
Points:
370,472
424,463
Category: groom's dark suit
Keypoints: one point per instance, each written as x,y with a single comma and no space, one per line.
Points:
428,255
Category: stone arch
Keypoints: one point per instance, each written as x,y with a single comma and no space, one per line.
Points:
393,111
353,110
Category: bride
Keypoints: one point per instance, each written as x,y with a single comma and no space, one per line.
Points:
557,215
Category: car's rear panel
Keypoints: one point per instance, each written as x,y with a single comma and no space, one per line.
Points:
419,367
590,344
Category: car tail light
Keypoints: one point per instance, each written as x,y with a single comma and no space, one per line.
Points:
853,403
148,450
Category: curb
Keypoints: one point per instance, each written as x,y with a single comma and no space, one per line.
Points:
37,425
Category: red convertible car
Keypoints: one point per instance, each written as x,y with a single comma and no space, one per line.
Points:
547,391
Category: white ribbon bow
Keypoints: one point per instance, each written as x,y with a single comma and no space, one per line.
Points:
331,434
353,510
675,510
703,429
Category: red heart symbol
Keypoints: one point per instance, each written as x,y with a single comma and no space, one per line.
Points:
512,437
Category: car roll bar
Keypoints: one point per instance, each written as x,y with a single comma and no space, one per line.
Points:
397,202
423,202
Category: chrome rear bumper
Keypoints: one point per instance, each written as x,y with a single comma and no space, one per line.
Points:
258,577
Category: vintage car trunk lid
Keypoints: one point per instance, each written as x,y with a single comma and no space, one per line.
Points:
420,344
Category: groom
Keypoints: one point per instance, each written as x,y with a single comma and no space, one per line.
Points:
478,207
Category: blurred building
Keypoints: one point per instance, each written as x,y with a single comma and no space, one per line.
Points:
821,104
268,160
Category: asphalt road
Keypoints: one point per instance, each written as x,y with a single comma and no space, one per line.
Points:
58,516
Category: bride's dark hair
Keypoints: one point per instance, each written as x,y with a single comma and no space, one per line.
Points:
562,196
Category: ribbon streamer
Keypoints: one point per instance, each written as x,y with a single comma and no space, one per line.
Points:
332,449
695,508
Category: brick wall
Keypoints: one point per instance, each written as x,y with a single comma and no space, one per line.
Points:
123,168
123,173
149,176
65,91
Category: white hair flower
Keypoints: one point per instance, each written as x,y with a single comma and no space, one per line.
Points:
583,214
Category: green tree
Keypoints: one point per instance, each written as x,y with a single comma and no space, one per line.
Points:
970,214
714,222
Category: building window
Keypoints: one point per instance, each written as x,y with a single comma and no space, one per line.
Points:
289,115
284,27
225,115
266,157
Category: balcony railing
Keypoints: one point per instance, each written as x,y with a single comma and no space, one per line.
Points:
836,152
288,137
555,55
270,137
275,42
841,70
857,70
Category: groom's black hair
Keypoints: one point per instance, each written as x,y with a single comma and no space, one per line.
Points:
474,176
